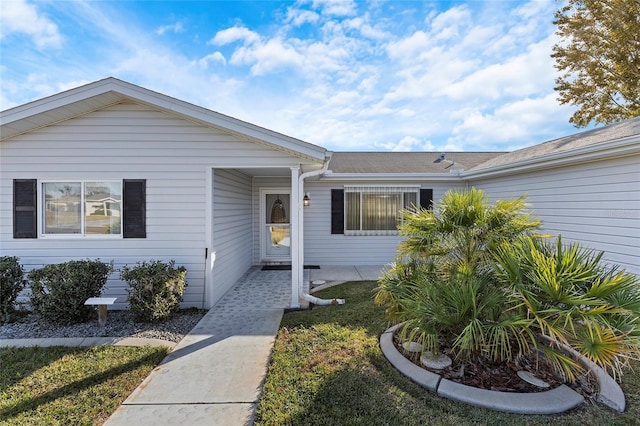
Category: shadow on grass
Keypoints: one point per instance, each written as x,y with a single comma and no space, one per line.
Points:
24,361
79,385
359,310
350,396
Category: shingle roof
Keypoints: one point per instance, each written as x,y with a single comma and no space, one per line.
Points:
405,162
424,162
584,139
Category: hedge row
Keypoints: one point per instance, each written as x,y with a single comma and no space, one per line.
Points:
58,291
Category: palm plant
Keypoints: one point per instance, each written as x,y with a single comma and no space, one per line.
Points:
575,301
479,277
442,282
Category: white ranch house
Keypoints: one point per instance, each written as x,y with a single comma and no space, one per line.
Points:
117,172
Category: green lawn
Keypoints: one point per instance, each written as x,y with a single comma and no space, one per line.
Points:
327,369
70,386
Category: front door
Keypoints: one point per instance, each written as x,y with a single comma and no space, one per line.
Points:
276,225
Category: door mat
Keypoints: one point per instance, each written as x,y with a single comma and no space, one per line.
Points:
285,267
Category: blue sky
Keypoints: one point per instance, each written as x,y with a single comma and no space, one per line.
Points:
347,75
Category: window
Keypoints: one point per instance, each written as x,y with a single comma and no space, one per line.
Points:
79,208
376,210
82,208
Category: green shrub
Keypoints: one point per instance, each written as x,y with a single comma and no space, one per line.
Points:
476,277
155,289
442,288
575,300
58,292
11,284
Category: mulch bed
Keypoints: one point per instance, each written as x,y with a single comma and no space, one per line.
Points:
503,377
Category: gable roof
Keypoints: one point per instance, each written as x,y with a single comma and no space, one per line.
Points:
616,139
406,162
110,91
602,137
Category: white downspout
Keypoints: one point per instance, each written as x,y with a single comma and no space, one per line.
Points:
309,298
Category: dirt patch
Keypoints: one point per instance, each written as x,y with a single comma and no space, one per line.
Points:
485,374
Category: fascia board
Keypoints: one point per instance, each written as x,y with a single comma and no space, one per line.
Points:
400,177
618,148
57,100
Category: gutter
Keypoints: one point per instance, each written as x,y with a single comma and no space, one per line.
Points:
620,148
300,254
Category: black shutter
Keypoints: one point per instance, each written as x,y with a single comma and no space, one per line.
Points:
25,200
337,211
134,208
426,198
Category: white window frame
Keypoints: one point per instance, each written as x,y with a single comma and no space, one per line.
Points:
82,234
361,189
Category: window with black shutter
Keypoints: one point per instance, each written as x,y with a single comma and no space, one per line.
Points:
25,221
134,220
426,198
374,210
80,208
337,211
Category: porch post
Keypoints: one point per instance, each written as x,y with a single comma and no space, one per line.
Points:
296,235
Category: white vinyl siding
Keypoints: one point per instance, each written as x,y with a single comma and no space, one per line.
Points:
595,203
232,229
323,248
129,141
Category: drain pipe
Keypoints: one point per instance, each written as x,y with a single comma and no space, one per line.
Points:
309,298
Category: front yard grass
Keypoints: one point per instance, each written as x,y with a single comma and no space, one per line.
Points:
64,386
327,369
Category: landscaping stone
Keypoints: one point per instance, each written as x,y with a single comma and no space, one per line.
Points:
412,347
437,362
423,377
530,378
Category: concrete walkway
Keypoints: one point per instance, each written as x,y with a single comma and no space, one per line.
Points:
214,375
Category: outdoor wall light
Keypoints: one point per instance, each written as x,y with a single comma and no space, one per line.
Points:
305,200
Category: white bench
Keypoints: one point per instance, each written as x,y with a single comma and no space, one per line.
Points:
101,303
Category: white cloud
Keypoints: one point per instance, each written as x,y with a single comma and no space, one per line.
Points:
213,57
520,75
173,28
299,17
407,48
362,24
510,126
336,7
266,57
233,34
449,24
20,17
410,143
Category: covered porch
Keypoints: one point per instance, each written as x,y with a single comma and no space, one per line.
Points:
254,217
